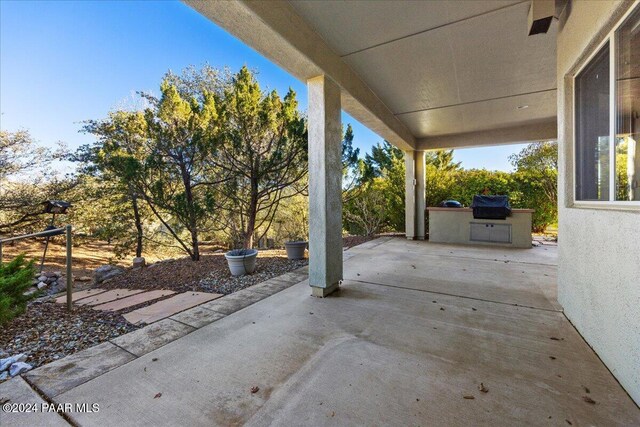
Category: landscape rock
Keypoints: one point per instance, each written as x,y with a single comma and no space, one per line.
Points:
42,278
105,272
45,298
83,279
3,354
139,262
54,289
4,376
42,285
19,368
7,362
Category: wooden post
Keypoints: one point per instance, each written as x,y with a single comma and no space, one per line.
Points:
69,274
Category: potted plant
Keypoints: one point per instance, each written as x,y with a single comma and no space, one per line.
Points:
241,261
295,248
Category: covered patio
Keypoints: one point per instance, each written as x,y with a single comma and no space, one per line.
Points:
436,75
419,334
428,75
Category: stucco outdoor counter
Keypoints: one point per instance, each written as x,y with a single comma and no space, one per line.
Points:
457,225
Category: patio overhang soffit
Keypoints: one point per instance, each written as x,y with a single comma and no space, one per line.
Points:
422,75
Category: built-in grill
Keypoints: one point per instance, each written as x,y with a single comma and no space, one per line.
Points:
491,207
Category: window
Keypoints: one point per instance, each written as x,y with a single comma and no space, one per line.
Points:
607,119
592,131
627,152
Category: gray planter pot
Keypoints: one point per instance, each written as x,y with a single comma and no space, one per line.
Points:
241,261
295,249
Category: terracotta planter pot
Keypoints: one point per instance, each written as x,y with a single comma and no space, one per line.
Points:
295,249
241,261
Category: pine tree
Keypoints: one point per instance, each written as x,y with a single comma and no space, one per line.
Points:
15,279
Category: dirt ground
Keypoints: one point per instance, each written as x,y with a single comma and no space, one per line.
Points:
85,258
89,255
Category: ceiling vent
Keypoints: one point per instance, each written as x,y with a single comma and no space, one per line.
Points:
541,13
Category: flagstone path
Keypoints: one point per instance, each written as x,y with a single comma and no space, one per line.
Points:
168,307
121,304
107,296
121,299
80,295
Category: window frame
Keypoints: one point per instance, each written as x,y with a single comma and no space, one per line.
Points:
610,38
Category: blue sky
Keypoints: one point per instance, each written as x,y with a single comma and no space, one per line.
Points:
62,62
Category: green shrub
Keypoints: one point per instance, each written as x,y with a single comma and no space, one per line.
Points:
15,278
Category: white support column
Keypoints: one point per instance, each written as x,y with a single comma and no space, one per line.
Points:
325,186
414,194
409,195
420,195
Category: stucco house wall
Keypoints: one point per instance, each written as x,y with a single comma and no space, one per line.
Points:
599,250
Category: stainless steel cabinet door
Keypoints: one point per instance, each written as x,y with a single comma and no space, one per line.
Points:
487,232
501,233
480,232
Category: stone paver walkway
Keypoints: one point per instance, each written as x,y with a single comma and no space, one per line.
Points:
80,295
107,296
168,307
121,299
140,298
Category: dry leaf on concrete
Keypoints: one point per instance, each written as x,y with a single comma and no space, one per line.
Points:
588,400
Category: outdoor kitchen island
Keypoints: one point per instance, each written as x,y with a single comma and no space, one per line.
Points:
457,225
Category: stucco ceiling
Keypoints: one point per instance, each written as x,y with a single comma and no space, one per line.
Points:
444,67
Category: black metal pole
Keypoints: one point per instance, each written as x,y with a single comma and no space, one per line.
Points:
69,274
46,245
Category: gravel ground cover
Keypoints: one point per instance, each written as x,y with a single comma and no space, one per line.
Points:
210,274
46,332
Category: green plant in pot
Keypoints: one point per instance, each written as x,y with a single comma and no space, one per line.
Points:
241,261
295,248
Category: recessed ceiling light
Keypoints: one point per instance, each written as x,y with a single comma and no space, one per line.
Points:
522,107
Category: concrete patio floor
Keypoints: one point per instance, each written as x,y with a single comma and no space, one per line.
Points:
409,338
